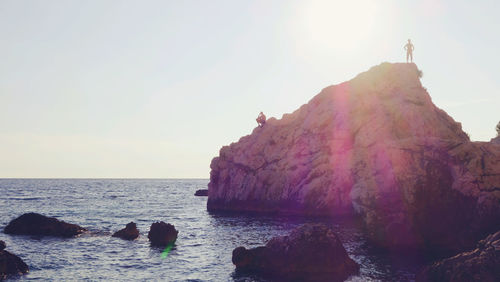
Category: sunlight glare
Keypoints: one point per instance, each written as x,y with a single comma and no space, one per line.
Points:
338,26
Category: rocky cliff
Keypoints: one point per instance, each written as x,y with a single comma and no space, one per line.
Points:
479,264
375,146
495,140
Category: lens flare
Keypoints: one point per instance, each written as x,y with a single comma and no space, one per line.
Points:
167,250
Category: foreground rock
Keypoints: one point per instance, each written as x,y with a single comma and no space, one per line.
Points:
162,234
10,264
201,192
37,224
375,146
310,251
480,264
130,232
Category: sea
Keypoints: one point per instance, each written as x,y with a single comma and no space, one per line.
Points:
203,248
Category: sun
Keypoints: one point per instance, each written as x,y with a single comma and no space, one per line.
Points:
338,26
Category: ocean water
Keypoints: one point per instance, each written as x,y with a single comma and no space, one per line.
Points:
203,248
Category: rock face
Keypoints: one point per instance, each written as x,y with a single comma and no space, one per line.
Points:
495,140
10,264
2,245
375,146
480,264
162,234
130,232
201,192
37,224
310,251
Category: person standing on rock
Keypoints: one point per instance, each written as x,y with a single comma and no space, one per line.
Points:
409,50
261,119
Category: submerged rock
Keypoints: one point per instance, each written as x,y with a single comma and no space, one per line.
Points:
201,192
162,234
377,147
130,232
10,264
310,251
480,264
37,224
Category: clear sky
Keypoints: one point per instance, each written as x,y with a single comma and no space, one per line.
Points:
155,88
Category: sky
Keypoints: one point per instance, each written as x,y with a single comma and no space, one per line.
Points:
153,89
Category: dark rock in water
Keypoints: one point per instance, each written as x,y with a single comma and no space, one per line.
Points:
310,251
201,192
37,224
377,147
162,234
480,264
10,264
130,232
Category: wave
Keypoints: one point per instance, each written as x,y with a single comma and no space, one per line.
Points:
27,198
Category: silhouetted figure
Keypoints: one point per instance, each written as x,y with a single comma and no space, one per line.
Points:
261,119
409,50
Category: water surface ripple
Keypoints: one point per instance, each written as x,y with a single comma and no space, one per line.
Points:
202,251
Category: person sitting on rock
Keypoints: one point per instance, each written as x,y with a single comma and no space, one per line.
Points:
261,119
409,50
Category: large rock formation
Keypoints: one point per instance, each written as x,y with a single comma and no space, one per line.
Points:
10,264
480,264
37,224
375,146
310,251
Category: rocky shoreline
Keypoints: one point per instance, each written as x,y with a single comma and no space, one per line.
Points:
374,148
479,264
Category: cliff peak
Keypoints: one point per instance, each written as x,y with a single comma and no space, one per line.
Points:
390,93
